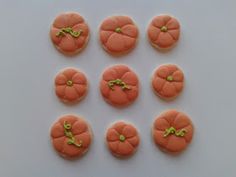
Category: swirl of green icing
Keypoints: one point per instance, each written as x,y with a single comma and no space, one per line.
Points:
172,130
70,31
71,139
118,82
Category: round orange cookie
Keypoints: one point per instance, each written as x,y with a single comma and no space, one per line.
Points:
163,31
71,136
172,131
69,33
168,81
122,139
71,85
119,85
118,34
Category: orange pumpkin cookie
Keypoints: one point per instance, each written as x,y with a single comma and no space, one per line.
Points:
118,34
71,85
122,139
172,131
168,81
119,85
71,136
69,33
164,31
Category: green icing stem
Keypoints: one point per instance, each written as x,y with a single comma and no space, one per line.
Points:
118,82
70,136
118,30
164,29
122,138
70,31
172,130
170,78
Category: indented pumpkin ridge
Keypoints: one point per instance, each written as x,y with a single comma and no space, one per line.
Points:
123,34
158,37
171,150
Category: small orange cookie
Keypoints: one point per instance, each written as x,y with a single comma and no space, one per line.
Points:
172,131
69,33
118,34
119,85
164,31
122,139
168,81
71,85
71,136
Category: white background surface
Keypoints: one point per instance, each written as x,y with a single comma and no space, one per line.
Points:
206,53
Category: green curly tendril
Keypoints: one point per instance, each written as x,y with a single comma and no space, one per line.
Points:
69,134
172,130
70,31
118,82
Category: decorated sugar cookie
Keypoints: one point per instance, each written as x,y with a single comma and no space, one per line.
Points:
172,131
168,81
122,139
69,33
118,34
163,31
71,85
119,85
71,136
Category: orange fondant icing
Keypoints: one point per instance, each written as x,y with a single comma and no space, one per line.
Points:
122,139
164,31
66,42
118,34
71,85
173,142
81,132
118,95
168,81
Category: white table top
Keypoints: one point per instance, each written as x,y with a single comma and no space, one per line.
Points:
206,53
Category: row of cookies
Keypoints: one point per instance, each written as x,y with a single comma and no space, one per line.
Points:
71,136
118,34
119,84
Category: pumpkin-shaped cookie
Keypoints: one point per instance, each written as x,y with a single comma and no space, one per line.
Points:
122,139
71,136
71,85
172,131
163,31
118,34
168,81
119,85
69,33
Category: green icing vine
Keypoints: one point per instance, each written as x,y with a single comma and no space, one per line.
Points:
70,31
70,136
172,130
118,82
